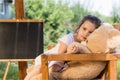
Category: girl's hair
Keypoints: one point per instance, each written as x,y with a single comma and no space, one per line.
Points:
93,19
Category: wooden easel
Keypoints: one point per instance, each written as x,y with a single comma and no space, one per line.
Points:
22,63
31,38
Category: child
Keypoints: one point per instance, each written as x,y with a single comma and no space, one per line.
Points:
86,26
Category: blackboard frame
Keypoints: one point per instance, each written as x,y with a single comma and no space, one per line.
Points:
36,33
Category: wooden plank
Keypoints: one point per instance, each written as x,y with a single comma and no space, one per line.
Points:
15,60
44,67
19,20
100,57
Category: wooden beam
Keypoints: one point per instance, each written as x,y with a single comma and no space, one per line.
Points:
100,57
15,60
19,20
19,10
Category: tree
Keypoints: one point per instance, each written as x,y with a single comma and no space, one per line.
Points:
116,14
79,12
54,14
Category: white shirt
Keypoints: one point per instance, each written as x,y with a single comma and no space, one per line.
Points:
67,39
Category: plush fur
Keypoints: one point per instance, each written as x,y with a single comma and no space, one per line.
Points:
103,40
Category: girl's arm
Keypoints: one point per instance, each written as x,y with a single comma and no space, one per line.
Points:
62,48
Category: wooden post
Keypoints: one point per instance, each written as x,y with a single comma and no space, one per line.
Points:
112,72
19,10
44,67
22,66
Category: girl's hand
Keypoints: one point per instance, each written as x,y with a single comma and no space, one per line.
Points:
73,48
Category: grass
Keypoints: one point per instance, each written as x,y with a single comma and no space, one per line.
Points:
12,73
118,64
118,70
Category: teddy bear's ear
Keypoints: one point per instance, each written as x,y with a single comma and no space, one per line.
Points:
114,38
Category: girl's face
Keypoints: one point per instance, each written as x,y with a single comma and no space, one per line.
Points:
85,30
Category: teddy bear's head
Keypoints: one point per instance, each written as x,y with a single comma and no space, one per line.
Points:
104,39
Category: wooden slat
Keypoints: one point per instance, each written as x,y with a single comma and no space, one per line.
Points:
112,72
20,20
15,60
44,67
100,57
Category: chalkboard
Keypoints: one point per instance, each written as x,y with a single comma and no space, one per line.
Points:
21,39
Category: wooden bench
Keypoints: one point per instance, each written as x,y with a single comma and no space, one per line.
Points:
111,71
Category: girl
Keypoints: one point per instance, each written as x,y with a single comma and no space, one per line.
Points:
86,26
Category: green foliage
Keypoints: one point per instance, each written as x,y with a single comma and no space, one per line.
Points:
12,73
2,69
79,12
54,14
116,14
12,11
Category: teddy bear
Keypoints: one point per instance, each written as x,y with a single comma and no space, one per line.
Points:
106,39
103,40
